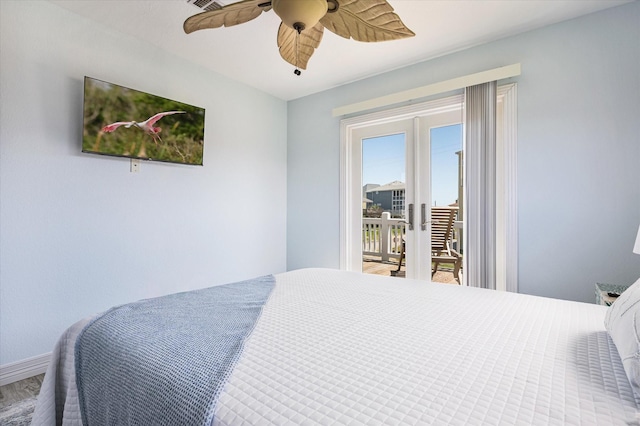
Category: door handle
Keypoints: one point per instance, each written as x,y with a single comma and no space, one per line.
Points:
423,222
410,217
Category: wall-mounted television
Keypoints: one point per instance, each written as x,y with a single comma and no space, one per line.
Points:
124,122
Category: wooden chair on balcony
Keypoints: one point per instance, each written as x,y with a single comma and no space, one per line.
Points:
442,251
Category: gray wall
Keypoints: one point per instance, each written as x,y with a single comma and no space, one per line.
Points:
79,232
381,198
578,152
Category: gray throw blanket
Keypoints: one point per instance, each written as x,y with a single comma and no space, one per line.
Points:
165,361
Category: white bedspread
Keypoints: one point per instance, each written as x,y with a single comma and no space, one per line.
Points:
337,348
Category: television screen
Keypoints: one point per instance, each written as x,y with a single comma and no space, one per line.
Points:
124,122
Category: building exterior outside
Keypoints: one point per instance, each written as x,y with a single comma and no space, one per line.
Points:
388,198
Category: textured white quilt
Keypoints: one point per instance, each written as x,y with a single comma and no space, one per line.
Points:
337,348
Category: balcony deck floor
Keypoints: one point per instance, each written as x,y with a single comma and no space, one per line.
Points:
372,265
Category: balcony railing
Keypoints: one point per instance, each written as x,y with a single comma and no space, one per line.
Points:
382,236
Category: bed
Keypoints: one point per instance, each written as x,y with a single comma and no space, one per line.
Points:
335,348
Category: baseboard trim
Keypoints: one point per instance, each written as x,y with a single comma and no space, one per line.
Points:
24,369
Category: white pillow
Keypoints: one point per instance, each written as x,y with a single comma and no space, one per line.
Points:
623,324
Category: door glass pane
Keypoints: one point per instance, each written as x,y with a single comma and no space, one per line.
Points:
383,203
446,203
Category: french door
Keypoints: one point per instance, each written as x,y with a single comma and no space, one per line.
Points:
419,126
430,145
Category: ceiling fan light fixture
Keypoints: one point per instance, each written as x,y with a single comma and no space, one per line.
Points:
298,14
304,21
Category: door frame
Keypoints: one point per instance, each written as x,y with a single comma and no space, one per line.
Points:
507,240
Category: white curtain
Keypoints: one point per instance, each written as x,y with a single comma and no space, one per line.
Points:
480,192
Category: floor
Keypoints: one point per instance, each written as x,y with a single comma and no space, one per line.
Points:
22,389
372,265
17,401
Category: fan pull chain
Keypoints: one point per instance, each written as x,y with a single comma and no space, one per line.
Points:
297,70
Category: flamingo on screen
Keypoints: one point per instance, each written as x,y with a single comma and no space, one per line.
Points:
146,126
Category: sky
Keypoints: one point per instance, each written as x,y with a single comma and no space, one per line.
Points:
383,161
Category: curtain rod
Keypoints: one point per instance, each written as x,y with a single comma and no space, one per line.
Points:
431,89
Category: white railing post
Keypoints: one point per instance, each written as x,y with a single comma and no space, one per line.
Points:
384,236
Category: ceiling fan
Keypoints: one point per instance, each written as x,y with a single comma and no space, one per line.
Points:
304,21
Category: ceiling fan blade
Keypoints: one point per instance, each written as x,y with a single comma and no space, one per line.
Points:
305,46
366,20
233,14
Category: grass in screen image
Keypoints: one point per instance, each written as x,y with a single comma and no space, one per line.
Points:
124,122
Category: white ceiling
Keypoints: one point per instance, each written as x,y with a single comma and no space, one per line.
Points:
248,52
